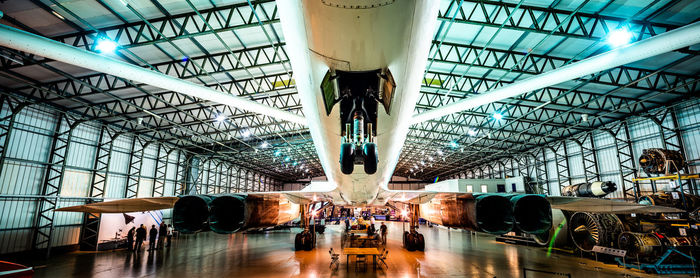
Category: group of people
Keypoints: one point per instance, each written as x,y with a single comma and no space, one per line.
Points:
371,230
158,235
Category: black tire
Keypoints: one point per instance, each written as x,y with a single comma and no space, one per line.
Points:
347,158
298,242
371,159
420,242
405,239
411,241
309,239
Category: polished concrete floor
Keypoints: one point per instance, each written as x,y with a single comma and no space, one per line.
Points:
448,254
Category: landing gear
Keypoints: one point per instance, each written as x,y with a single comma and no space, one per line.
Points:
347,158
412,239
306,240
370,154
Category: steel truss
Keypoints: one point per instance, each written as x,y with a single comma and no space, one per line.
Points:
53,181
557,22
91,221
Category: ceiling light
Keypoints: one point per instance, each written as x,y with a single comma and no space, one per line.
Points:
220,118
264,144
105,45
422,163
439,152
584,117
139,121
619,37
454,144
472,132
278,153
58,15
287,159
497,116
246,133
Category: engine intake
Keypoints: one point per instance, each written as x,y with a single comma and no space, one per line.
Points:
532,213
190,213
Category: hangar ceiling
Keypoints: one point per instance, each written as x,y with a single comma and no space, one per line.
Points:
238,47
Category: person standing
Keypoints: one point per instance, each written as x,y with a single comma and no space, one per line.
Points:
152,237
130,239
170,234
347,224
140,237
383,231
161,234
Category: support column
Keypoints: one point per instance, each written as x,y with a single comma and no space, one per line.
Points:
626,160
590,158
161,168
562,164
53,181
135,160
667,121
7,123
100,172
541,171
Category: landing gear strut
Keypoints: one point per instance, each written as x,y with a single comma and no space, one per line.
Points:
412,239
358,149
306,240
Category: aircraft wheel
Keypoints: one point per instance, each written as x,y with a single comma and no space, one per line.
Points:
370,151
420,242
347,158
410,242
299,242
309,240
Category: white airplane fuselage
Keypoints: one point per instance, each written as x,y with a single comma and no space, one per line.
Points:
393,34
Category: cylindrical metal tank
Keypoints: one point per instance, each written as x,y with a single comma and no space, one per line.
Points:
593,189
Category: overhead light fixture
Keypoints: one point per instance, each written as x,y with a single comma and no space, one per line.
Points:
454,144
220,118
278,153
619,37
246,133
498,116
584,117
264,144
287,159
139,121
58,15
472,132
439,152
105,45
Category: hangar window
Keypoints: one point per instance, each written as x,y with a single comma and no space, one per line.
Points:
470,188
484,188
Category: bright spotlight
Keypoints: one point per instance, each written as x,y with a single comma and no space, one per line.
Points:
220,118
619,37
497,116
472,132
246,133
264,145
287,159
454,144
106,46
404,213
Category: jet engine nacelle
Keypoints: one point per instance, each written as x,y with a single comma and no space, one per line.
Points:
231,213
490,213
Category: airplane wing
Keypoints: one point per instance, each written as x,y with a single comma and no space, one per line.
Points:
314,192
597,205
125,205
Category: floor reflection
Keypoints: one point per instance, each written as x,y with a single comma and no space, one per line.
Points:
448,253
